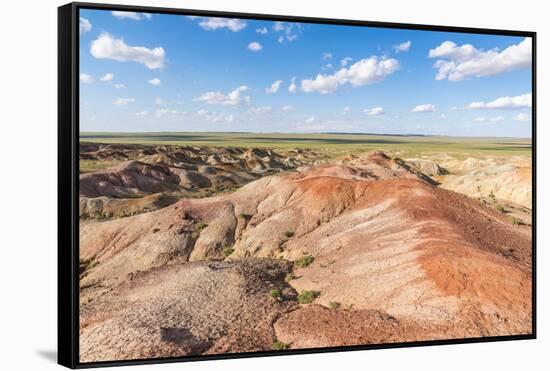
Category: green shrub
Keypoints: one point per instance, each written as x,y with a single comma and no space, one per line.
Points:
198,228
516,221
242,215
304,261
334,305
279,345
289,234
228,250
500,208
290,276
276,293
308,296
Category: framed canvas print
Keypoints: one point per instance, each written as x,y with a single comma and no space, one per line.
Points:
237,185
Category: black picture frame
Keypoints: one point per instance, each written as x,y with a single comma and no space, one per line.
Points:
68,175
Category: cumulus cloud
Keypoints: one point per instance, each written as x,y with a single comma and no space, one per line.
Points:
424,108
155,81
107,77
260,110
215,117
86,79
261,31
84,25
214,23
521,117
120,86
255,46
123,101
274,87
364,72
346,110
292,87
310,120
131,15
108,47
233,98
517,102
345,61
289,31
287,108
165,112
464,62
403,47
376,111
326,56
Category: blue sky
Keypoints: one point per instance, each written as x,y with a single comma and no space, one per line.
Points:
153,72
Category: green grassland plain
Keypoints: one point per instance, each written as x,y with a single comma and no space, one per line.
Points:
333,144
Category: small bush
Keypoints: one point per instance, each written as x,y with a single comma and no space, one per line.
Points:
198,228
334,305
279,345
242,216
228,250
500,208
289,234
304,261
290,276
308,296
275,293
516,221
492,195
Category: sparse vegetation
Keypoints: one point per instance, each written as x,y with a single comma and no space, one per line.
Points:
276,294
228,250
334,305
289,234
243,216
290,276
279,345
198,228
308,296
500,208
517,221
492,196
304,261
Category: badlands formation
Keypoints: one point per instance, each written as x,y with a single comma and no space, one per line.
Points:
288,252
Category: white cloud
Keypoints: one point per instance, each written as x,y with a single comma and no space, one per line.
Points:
376,111
292,87
123,101
496,119
443,116
215,117
159,101
290,31
326,56
424,108
345,61
260,110
261,31
86,79
84,25
154,81
287,108
480,119
517,102
108,47
120,86
310,120
364,72
212,23
346,110
107,77
142,113
463,62
163,112
521,117
327,66
274,87
255,46
403,47
233,98
131,15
